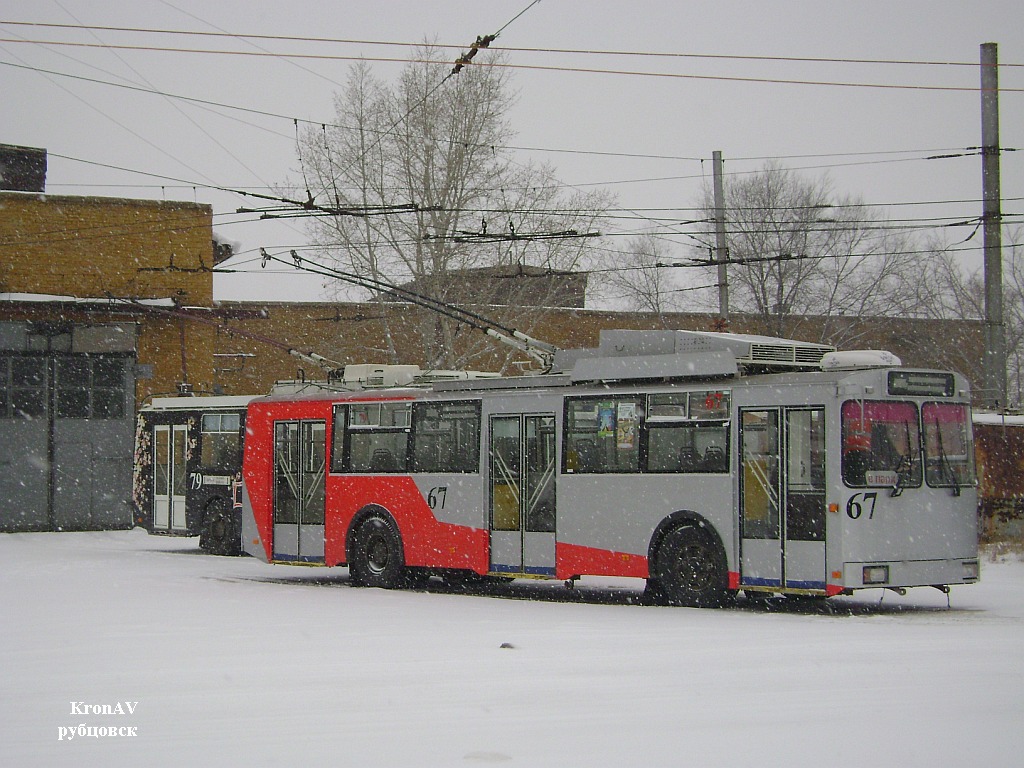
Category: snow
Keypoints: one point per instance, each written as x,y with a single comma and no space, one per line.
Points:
236,662
997,419
44,298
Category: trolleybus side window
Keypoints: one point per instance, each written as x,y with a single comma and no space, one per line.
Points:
221,440
948,458
881,444
805,474
446,437
759,478
688,432
603,434
375,439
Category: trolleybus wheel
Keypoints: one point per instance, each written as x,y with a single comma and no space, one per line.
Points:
690,569
471,580
218,535
377,555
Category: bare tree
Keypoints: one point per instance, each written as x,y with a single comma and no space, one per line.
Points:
797,251
1013,313
422,172
638,280
957,294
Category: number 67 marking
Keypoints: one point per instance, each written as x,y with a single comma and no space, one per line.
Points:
436,497
855,507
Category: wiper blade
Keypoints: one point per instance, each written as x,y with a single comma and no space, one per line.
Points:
944,462
903,467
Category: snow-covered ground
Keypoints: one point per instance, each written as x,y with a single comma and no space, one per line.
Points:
235,662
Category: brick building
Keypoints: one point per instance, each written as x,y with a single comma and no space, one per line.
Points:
353,333
89,288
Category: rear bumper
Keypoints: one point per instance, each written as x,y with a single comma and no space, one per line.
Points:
911,573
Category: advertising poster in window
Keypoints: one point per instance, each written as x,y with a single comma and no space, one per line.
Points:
606,420
627,427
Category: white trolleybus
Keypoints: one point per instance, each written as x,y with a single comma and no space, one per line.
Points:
706,464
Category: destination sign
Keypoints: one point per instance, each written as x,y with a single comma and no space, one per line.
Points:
922,384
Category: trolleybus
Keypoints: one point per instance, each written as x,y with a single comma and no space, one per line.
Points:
188,452
706,464
188,455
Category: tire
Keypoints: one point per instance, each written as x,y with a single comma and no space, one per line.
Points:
377,559
691,570
654,593
468,581
219,535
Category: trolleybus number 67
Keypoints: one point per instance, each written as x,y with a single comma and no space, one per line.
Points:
860,503
436,496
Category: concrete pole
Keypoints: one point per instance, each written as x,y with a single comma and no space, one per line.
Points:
721,249
995,333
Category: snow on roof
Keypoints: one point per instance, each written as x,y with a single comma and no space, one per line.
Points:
997,419
43,298
198,402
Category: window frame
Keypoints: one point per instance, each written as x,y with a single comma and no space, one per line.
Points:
692,408
968,461
913,479
405,460
236,443
472,464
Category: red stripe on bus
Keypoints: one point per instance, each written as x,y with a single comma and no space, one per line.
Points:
575,559
427,541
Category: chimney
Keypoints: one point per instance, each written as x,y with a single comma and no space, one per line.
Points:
22,169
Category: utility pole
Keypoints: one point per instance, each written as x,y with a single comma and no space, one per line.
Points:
721,249
995,333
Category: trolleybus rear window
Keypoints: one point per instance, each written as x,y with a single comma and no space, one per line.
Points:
881,444
949,459
221,439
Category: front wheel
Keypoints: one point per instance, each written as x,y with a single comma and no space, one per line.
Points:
690,570
377,559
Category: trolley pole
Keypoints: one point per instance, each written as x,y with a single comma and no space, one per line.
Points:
721,249
995,333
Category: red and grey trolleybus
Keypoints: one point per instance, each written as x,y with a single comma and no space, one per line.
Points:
706,464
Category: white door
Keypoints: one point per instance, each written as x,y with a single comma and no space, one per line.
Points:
522,494
782,498
169,476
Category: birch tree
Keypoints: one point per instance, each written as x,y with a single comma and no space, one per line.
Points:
423,166
797,250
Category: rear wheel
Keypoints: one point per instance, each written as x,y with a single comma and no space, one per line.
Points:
376,559
691,571
219,535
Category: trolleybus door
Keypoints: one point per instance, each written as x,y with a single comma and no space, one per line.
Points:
782,498
170,476
299,464
522,493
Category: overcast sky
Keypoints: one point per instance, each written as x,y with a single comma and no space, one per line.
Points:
640,132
